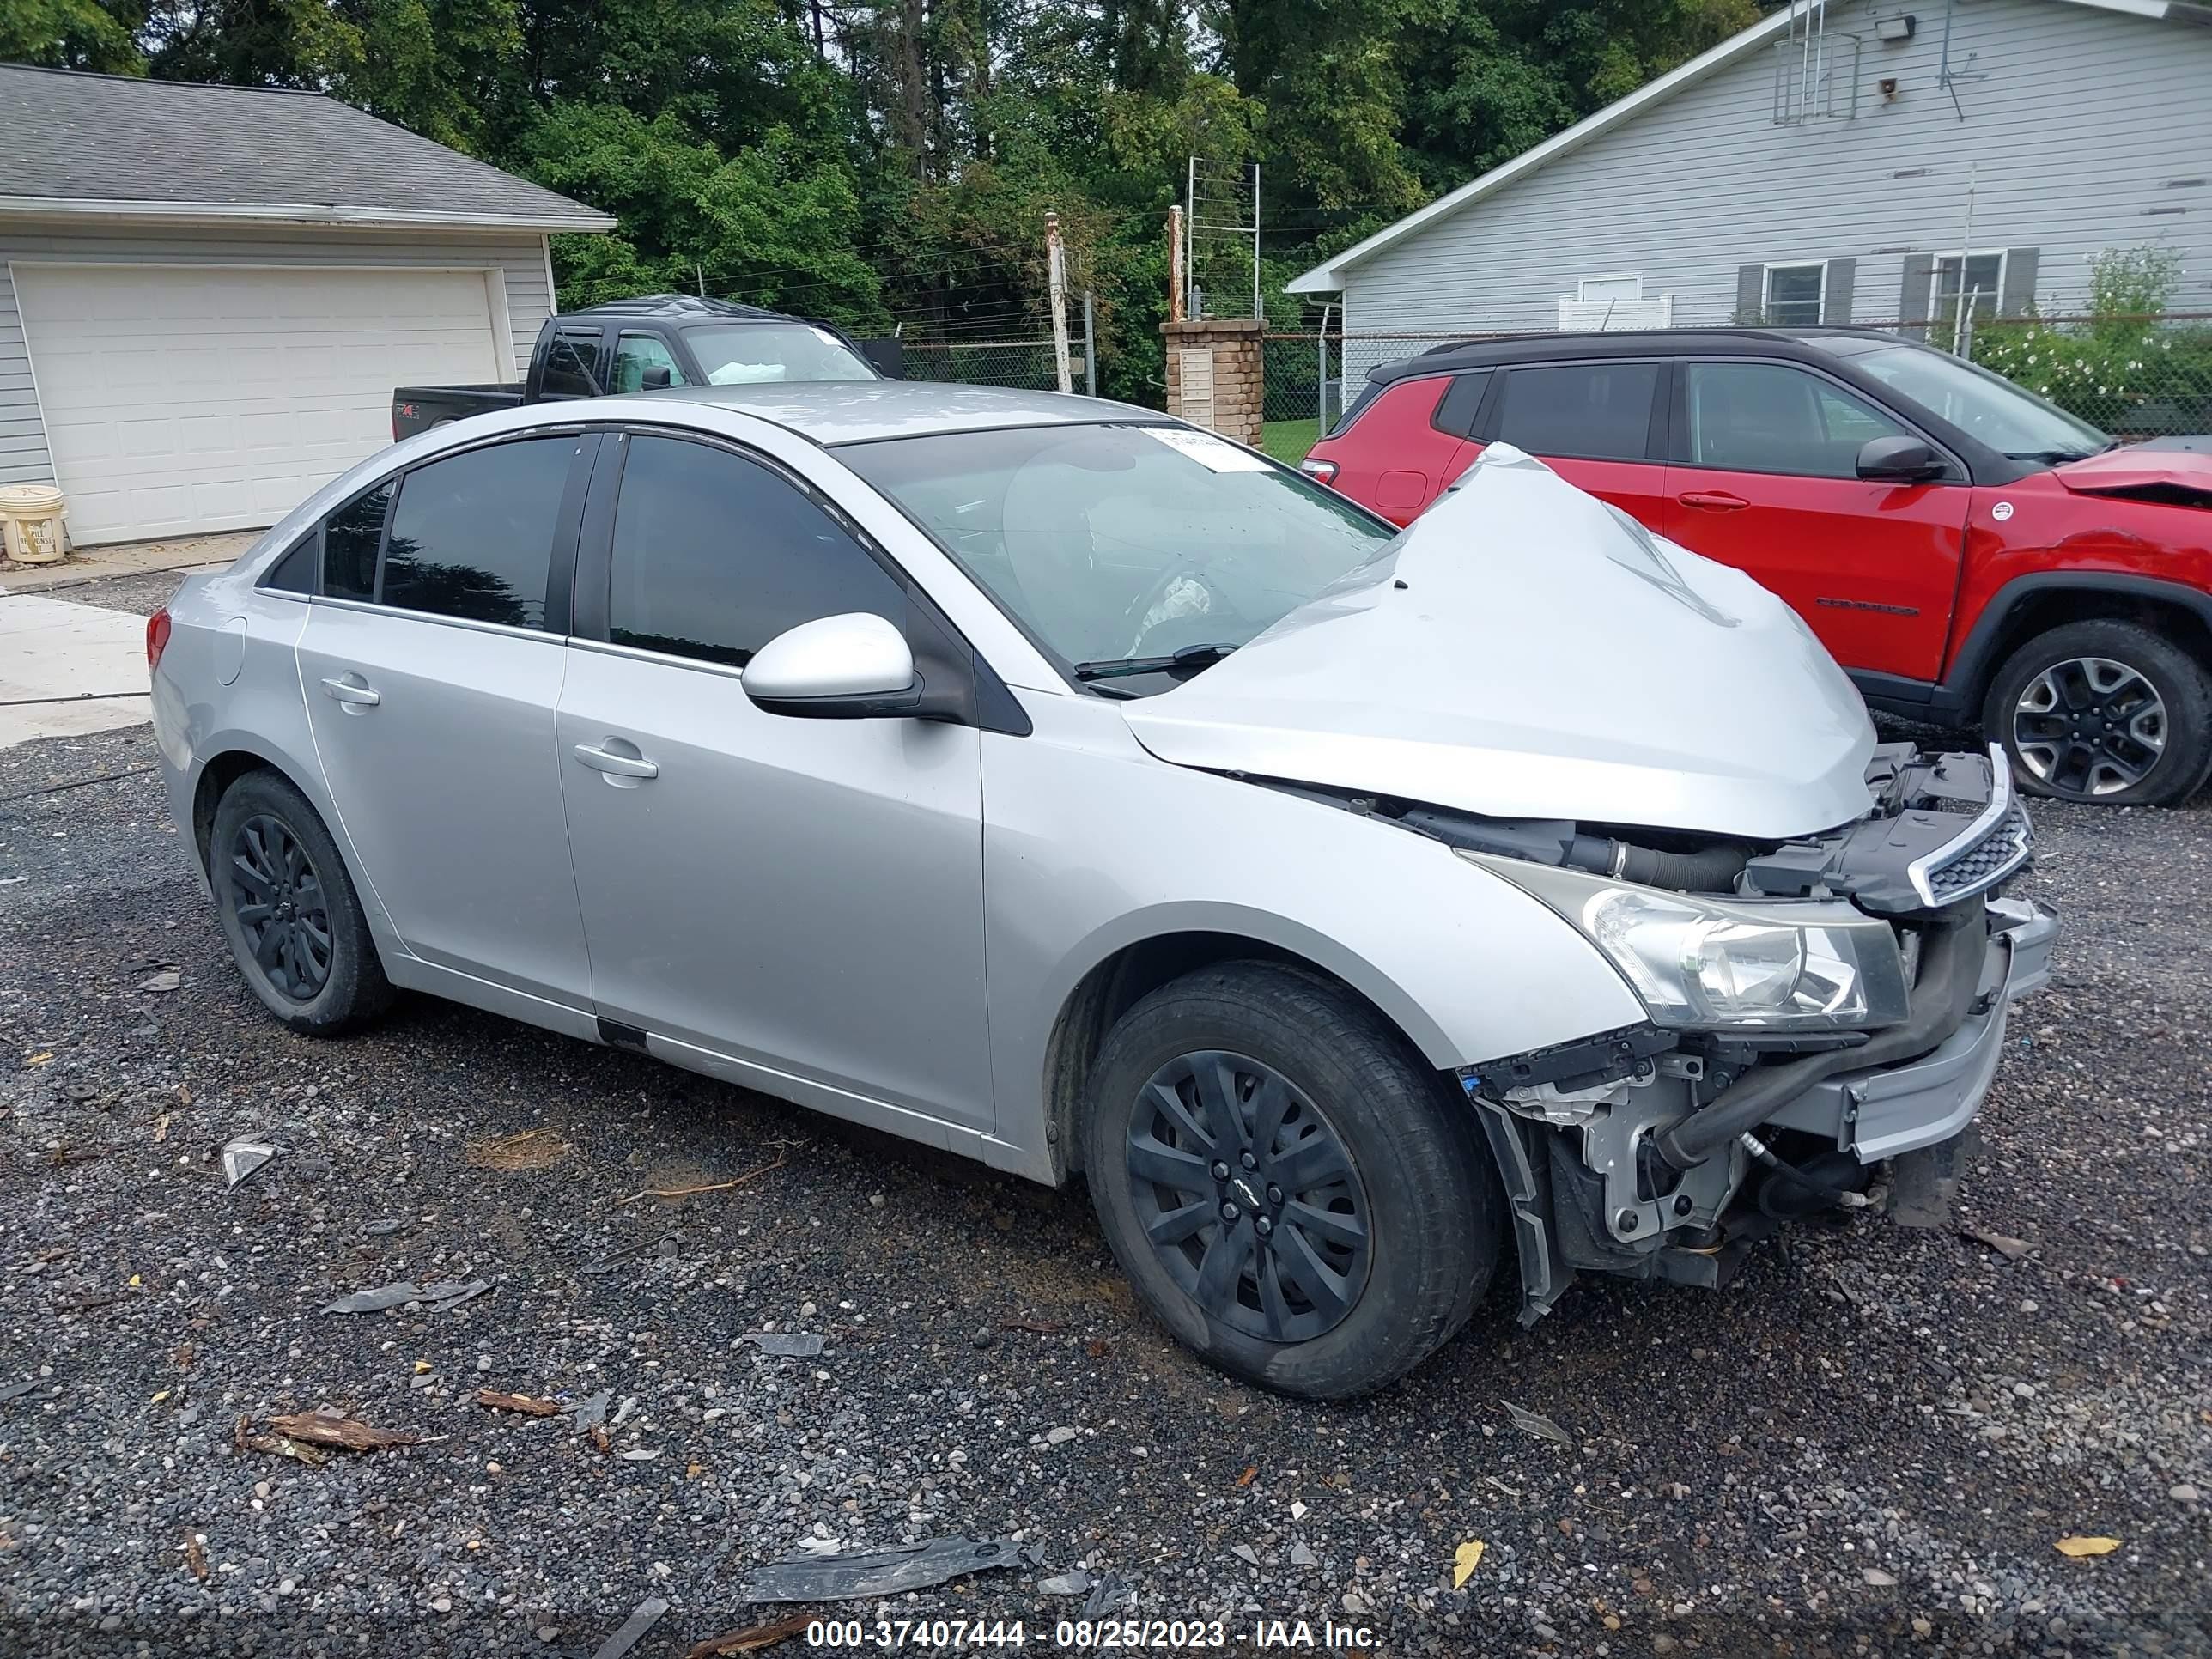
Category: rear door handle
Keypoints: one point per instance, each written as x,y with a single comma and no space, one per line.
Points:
621,766
352,690
1713,501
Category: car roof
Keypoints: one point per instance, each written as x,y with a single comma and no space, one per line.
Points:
1498,349
860,411
682,307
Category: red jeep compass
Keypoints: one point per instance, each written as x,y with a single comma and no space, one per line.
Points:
1963,548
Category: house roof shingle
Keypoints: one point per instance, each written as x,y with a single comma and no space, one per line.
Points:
166,149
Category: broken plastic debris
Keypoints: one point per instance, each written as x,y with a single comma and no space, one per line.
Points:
1538,1424
1107,1595
167,980
638,1455
442,1294
2078,1546
880,1572
243,1156
18,1391
1465,1560
787,1344
590,1414
641,1619
1077,1582
447,1294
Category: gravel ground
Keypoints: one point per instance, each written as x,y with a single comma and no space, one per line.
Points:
1870,1444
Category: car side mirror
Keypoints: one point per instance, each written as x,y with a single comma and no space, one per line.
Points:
654,378
856,667
1898,461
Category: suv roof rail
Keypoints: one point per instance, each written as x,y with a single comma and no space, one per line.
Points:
678,305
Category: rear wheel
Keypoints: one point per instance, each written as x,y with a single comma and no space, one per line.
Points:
1290,1187
289,911
2103,711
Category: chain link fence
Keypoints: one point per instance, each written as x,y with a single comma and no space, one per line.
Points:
1023,363
2133,377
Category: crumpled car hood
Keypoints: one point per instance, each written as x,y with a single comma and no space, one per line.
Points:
2176,469
1525,650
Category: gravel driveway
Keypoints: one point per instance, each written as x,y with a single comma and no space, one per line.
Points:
1871,1443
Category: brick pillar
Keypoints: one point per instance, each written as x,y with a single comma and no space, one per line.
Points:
1215,374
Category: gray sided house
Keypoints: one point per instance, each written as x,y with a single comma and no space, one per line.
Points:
1832,164
208,292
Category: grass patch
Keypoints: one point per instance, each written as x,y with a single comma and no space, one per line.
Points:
1288,441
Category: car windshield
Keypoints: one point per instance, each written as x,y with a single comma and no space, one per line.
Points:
1120,547
745,354
1988,406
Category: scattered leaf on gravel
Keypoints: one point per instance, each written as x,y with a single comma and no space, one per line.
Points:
2077,1546
1251,1473
2012,1249
754,1639
196,1561
1465,1560
599,1441
1538,1424
39,1059
277,1446
347,1433
1096,1347
519,1403
879,1572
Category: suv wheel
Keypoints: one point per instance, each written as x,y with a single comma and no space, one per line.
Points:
2103,711
289,911
1292,1190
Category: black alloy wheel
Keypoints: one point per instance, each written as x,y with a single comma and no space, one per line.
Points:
281,906
2089,726
2103,711
1249,1196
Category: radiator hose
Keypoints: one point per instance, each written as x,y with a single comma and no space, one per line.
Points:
1709,870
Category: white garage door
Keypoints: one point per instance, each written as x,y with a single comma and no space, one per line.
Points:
181,399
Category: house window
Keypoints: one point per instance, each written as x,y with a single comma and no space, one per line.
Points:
1983,283
1609,288
1795,295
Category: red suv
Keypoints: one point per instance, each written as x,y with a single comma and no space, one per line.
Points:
1963,549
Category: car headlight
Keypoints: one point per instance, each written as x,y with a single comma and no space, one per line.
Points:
1700,963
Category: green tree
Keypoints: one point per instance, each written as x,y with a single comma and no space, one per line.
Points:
80,35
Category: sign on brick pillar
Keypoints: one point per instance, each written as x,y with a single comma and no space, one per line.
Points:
1214,376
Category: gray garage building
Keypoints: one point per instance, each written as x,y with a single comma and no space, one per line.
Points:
208,292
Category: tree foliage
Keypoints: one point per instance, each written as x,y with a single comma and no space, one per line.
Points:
889,163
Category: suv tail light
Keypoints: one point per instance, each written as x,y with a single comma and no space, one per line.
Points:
157,637
1320,471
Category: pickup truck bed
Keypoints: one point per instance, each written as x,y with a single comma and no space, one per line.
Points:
418,408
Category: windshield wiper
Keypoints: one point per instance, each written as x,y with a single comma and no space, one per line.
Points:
1114,668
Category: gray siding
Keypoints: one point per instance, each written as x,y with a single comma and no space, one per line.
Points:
23,457
2076,135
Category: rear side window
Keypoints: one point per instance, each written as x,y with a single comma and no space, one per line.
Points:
1462,402
1598,411
572,366
714,556
296,572
472,535
351,537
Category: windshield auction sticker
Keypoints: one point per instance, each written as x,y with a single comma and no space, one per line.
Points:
1217,454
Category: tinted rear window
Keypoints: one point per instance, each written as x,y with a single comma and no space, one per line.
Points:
472,535
1601,411
350,536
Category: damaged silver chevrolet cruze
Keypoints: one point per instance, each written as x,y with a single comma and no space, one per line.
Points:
1064,786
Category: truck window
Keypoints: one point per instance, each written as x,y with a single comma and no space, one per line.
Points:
636,353
572,366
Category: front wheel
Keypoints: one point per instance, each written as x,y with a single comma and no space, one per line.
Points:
2103,711
1292,1191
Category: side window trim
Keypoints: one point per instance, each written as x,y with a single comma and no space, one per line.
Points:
1677,451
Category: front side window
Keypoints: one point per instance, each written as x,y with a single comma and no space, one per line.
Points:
1114,543
747,354
714,556
1600,411
350,537
1987,406
572,366
636,353
1793,295
1770,417
472,535
1979,278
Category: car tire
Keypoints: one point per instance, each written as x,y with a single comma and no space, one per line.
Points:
1354,1280
290,911
2103,711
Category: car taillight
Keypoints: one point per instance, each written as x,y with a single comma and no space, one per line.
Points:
1322,472
157,637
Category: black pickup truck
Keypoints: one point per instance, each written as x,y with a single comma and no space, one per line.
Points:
663,339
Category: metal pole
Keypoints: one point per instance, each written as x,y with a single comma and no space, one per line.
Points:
1056,269
1320,367
1965,252
1258,312
1174,265
1189,242
1090,346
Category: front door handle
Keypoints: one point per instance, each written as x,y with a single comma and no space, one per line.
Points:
1713,501
351,690
620,766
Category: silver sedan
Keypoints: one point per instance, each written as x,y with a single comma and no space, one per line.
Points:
1064,786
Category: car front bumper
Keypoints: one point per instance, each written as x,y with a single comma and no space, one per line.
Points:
1887,1111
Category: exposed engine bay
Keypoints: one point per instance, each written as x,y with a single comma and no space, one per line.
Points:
1668,1148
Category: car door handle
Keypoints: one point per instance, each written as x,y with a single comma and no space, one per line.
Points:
621,766
1713,501
352,690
